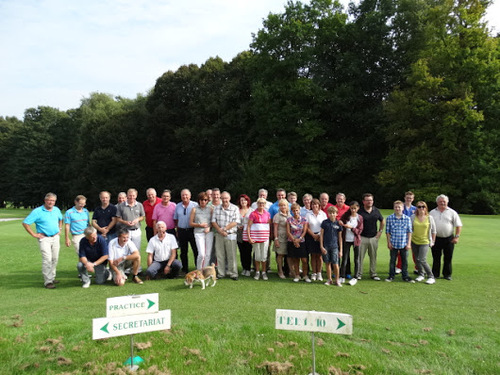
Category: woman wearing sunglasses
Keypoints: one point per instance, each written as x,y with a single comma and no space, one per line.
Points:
424,235
203,235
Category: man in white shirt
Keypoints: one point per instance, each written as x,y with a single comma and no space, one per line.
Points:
448,228
162,251
124,254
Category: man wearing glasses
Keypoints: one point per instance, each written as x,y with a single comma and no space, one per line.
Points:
185,233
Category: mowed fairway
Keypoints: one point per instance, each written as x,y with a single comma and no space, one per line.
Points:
399,328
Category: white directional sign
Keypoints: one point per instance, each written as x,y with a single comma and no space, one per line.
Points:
131,305
314,321
103,328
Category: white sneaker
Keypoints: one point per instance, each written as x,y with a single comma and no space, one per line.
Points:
244,273
353,281
86,285
431,281
257,275
313,277
419,279
307,279
376,278
320,278
264,276
341,280
398,271
296,280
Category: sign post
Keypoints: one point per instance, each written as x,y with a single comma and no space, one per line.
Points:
130,315
313,321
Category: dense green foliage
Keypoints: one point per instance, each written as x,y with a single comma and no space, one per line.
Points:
387,96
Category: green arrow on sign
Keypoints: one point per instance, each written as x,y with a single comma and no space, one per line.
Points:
341,323
151,303
105,328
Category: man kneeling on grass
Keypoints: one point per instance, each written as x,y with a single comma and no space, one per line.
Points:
124,254
93,254
162,253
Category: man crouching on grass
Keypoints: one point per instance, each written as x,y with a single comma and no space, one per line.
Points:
124,254
93,254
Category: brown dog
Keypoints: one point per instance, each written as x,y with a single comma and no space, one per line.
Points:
210,273
193,276
203,276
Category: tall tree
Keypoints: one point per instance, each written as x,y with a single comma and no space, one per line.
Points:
442,131
38,160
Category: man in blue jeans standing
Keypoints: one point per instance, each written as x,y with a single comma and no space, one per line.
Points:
398,231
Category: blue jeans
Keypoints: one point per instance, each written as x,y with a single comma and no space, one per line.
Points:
404,263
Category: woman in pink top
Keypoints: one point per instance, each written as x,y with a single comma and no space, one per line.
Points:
258,230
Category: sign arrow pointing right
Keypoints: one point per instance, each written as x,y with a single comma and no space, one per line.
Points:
341,323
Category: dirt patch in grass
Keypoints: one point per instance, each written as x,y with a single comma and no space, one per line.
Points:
276,367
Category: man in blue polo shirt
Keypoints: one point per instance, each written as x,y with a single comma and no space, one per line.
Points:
76,219
48,222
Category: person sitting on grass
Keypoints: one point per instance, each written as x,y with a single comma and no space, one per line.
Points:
124,254
93,254
330,240
398,231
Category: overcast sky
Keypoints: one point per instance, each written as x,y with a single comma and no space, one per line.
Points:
56,52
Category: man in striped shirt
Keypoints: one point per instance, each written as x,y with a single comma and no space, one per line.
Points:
225,220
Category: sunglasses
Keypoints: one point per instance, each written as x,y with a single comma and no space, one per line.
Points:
420,206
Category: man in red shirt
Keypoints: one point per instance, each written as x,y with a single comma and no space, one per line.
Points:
324,202
149,205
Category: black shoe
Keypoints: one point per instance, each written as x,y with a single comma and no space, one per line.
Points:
409,280
50,286
235,278
447,278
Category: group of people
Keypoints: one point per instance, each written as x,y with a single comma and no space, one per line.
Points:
304,238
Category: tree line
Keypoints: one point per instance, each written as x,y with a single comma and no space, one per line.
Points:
384,97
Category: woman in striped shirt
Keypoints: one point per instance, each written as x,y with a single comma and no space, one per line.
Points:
258,229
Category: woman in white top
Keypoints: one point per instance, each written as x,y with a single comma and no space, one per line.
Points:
200,220
353,226
314,220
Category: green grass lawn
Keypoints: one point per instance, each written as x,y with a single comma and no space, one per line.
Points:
399,328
